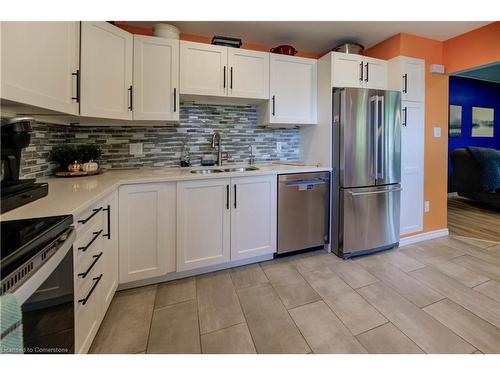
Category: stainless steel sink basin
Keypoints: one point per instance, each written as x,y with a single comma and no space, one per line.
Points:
241,169
206,171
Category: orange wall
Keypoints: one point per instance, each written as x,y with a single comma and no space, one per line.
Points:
475,48
436,115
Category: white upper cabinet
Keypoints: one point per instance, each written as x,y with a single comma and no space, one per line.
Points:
39,64
146,230
412,167
106,71
351,70
293,91
248,74
203,69
407,75
156,78
253,216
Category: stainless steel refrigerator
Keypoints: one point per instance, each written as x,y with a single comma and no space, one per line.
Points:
366,156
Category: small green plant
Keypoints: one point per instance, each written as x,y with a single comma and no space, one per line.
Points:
66,154
89,152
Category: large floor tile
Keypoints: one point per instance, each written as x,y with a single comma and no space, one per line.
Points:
271,327
490,288
232,340
479,304
353,274
323,331
433,248
408,287
402,261
480,266
387,339
481,334
429,334
125,328
246,276
315,261
475,250
290,285
356,314
175,330
175,291
471,241
218,305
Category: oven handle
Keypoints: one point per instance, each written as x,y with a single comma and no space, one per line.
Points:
29,287
376,192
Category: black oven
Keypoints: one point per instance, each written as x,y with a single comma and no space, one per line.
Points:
37,267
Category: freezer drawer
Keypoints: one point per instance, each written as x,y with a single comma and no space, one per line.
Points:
369,218
303,211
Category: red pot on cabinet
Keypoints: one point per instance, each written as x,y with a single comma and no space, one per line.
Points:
284,50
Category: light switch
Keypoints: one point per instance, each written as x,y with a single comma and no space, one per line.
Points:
437,132
427,206
136,149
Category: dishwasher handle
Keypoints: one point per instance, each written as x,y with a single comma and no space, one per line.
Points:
299,183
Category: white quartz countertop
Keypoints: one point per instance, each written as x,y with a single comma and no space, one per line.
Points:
70,196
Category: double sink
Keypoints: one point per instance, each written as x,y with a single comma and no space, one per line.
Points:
221,170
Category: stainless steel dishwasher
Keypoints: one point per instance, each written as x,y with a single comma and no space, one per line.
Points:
303,211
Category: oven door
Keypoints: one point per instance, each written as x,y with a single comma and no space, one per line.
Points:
47,302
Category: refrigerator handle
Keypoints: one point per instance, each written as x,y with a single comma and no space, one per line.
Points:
381,126
374,122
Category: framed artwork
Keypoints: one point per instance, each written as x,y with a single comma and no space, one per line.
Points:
482,122
455,126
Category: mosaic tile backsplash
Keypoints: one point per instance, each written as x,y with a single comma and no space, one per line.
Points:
162,144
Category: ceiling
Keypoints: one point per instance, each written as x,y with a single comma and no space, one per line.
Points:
486,73
319,36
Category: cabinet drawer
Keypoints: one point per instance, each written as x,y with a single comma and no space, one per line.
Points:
87,268
86,245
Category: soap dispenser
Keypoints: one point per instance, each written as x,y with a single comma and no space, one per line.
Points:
185,157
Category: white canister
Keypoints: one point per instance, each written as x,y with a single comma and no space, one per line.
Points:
165,30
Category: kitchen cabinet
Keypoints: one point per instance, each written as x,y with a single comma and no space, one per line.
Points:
203,223
110,249
407,74
292,91
253,216
248,74
156,78
40,63
106,71
412,167
146,230
351,70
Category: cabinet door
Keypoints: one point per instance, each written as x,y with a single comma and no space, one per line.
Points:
106,71
156,78
375,73
348,70
248,74
203,69
39,63
413,80
253,216
293,90
109,282
146,230
203,223
412,167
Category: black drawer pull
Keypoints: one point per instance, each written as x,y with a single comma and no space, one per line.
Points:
361,71
108,235
83,275
83,301
175,99
77,75
96,210
85,248
274,105
227,197
405,87
224,86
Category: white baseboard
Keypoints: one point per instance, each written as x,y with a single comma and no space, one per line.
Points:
423,237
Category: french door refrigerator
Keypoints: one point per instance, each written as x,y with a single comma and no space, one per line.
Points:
366,156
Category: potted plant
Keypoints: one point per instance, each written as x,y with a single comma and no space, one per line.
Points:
66,154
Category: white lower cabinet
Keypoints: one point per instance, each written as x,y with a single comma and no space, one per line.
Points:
225,219
110,250
412,167
146,230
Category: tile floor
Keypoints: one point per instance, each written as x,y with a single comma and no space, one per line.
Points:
438,296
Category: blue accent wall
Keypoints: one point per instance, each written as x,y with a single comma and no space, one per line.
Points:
470,93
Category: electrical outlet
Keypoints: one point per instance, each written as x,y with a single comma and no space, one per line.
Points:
136,149
437,132
427,206
278,146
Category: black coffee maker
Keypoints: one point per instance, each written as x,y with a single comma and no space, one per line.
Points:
15,192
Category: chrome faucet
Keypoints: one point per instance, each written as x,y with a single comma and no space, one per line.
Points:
251,158
220,157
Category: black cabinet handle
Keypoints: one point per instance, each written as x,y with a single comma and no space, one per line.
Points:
96,210
83,301
231,84
83,275
367,67
405,86
224,76
361,71
77,75
131,98
234,195
227,197
405,111
274,105
108,209
175,99
85,248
